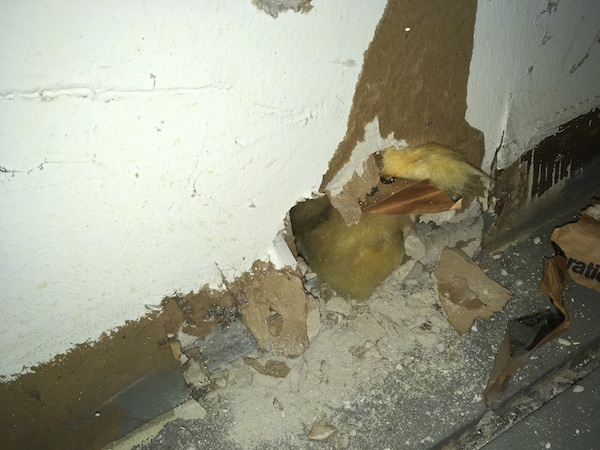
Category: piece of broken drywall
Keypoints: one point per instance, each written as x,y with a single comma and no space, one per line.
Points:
274,307
466,292
271,368
432,233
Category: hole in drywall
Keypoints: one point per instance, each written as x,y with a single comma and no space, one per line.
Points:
352,260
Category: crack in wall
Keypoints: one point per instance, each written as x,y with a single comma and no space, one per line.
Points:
100,93
40,166
107,95
550,8
297,118
576,66
196,170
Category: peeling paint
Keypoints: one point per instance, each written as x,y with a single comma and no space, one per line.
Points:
276,7
372,143
413,87
43,164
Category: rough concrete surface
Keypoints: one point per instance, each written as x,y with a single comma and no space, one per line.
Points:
390,373
559,424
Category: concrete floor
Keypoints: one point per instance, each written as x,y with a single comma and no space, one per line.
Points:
570,421
426,396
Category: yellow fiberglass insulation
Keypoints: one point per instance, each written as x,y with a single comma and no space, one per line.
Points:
441,165
352,260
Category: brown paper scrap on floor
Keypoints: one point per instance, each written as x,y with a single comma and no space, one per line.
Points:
272,368
408,197
467,294
526,334
580,242
321,431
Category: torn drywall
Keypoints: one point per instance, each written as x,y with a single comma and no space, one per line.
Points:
413,86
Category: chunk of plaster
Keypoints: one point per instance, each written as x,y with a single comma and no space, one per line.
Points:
466,292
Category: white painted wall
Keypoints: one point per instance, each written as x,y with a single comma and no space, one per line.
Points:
146,144
535,65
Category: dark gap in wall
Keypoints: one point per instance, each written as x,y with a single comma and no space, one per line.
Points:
559,172
565,153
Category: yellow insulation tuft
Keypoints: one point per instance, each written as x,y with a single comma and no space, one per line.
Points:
441,165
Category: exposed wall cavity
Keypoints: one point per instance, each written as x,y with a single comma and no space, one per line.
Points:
563,155
142,157
412,90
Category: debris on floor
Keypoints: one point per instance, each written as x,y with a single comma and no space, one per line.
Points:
432,233
265,308
580,242
466,292
307,334
274,307
578,247
373,371
526,334
321,431
272,368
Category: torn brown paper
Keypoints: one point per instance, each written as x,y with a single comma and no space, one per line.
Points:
408,197
272,368
273,304
466,292
580,243
526,334
321,431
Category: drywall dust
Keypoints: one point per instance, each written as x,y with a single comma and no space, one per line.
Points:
401,333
